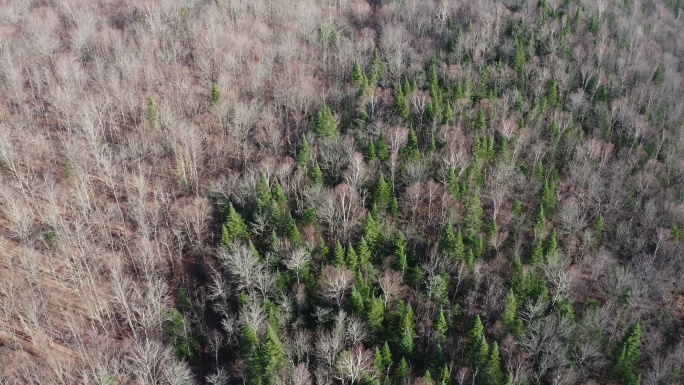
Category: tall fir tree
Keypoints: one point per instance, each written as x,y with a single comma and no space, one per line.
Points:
325,124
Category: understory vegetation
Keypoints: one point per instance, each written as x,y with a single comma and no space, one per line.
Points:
342,192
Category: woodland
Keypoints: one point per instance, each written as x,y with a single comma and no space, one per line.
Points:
342,192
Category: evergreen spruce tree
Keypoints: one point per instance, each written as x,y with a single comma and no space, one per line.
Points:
376,316
628,354
493,373
411,149
352,260
364,253
383,194
401,373
478,350
447,242
473,219
304,155
152,112
234,227
371,231
292,232
338,254
510,319
400,253
316,175
551,245
325,125
537,253
357,74
215,94
272,355
382,149
401,107
356,303
441,325
377,69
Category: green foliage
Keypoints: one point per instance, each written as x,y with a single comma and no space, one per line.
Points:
376,316
676,233
325,124
383,194
548,197
272,355
628,354
182,339
657,77
152,112
304,155
377,68
493,374
234,227
401,107
400,253
441,325
473,219
510,319
338,255
478,349
316,175
382,149
411,151
371,231
215,94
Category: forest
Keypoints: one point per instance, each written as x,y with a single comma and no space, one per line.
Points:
342,192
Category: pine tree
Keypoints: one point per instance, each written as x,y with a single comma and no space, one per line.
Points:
383,194
548,197
382,149
628,355
510,319
447,242
371,232
446,376
411,151
401,107
304,155
473,220
553,94
448,115
234,227
152,112
441,325
292,232
537,253
494,375
215,94
356,304
338,255
364,253
352,260
316,175
406,342
481,121
376,316
377,68
552,245
519,58
386,356
325,125
400,253
478,348
598,228
249,342
402,371
357,74
273,354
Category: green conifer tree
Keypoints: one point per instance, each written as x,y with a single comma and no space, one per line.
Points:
400,253
383,194
628,354
215,94
371,232
352,260
234,227
510,319
364,252
316,175
325,125
478,350
304,155
441,326
411,151
493,373
338,254
382,149
152,112
401,107
272,355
